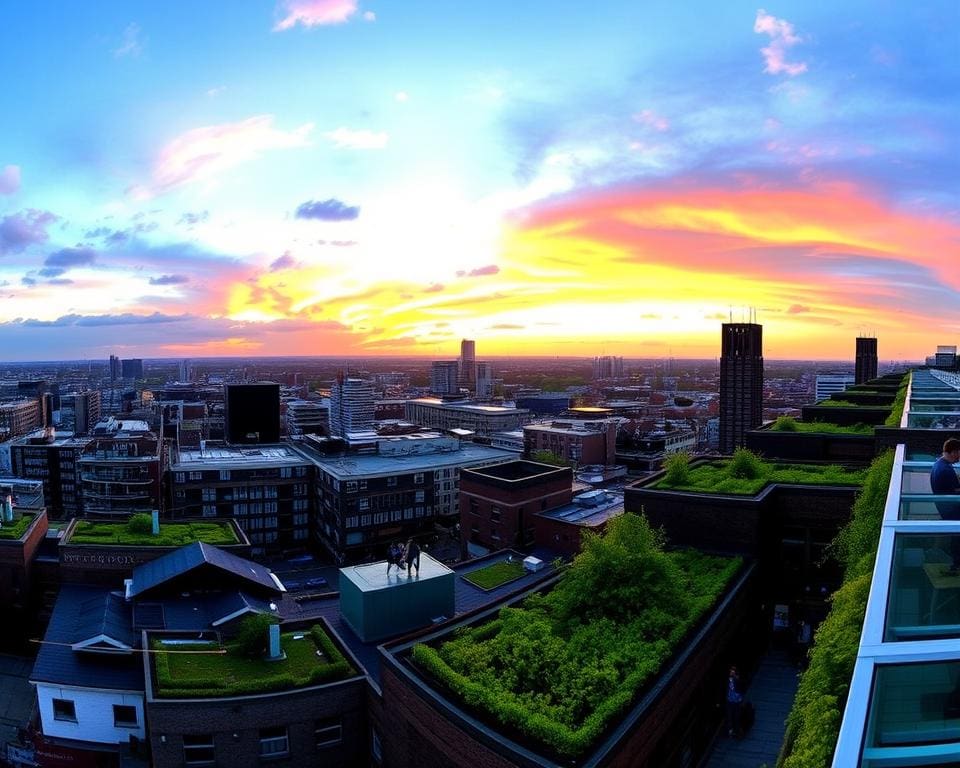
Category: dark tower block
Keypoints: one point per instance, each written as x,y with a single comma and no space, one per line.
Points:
741,383
252,413
866,359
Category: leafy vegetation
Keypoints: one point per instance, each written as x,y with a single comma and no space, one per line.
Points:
253,637
562,666
17,528
814,722
231,673
678,468
746,474
140,524
790,424
893,420
829,403
496,574
549,457
172,534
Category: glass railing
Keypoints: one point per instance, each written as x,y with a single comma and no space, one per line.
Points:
946,421
914,717
924,598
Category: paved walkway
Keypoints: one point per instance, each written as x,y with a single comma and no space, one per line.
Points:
771,691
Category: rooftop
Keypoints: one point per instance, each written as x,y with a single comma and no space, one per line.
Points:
365,465
588,509
236,456
460,406
172,533
519,470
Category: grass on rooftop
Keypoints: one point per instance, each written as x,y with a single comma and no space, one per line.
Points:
745,474
495,575
789,424
17,528
206,675
172,534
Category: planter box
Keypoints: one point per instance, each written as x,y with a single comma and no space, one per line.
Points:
848,416
812,446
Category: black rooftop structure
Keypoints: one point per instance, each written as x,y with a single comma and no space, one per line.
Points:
200,566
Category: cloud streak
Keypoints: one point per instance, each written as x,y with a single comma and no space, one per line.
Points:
330,209
315,13
19,231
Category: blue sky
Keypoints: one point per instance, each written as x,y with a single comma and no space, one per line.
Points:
343,177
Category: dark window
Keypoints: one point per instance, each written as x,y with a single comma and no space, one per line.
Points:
198,749
64,709
328,732
124,716
274,742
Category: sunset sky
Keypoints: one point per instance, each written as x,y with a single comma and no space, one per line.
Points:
342,177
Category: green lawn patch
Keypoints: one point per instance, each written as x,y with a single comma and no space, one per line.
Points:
746,475
172,534
17,528
789,424
561,667
495,575
202,675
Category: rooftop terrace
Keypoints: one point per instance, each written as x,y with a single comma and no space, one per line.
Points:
172,534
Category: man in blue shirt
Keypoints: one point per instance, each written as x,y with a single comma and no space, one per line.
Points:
944,480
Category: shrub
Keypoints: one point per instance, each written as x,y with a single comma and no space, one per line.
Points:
745,465
893,420
140,524
784,424
253,639
678,468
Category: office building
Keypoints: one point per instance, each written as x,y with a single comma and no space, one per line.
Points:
831,383
120,469
86,411
607,367
433,413
351,406
866,363
366,500
577,441
131,369
484,383
115,370
265,489
444,377
307,417
741,383
53,458
252,413
468,363
19,417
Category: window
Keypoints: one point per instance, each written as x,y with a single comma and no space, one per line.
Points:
224,474
198,750
418,478
363,485
209,510
209,494
124,716
420,496
495,514
195,475
274,742
64,709
286,471
474,507
364,504
391,482
328,732
352,521
179,477
376,749
351,486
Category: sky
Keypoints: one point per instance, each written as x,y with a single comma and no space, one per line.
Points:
344,177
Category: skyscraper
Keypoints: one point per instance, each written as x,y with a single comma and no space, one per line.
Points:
608,367
866,359
351,406
444,378
132,369
484,380
468,363
114,367
741,382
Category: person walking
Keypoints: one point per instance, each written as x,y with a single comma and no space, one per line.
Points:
394,556
412,556
734,702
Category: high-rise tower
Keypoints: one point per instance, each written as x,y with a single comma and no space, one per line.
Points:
866,359
351,406
468,363
741,382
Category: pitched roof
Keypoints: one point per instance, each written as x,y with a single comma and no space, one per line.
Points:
156,572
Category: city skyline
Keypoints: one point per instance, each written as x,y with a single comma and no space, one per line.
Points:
345,178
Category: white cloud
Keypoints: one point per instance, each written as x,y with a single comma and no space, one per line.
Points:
314,13
782,37
130,43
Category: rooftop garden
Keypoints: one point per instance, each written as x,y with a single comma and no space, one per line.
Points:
137,531
241,668
17,528
790,424
899,403
561,667
829,403
813,725
495,575
747,474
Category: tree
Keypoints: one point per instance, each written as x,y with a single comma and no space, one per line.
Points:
253,638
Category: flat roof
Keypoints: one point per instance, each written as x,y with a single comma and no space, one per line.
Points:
365,465
373,577
513,471
228,456
588,509
466,406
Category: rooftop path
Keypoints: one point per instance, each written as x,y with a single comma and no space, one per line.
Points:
771,692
